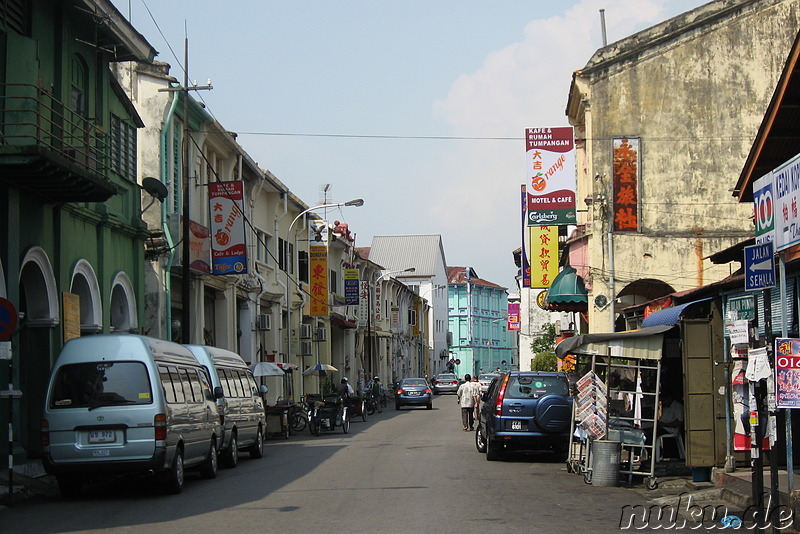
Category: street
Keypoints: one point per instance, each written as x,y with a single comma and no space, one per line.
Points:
408,471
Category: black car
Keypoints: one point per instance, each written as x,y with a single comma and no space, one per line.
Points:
525,411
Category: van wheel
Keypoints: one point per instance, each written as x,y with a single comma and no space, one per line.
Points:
230,457
208,469
173,479
70,487
257,449
480,440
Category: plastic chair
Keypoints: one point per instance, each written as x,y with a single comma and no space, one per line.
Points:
676,435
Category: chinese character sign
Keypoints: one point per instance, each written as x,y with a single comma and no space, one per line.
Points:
318,280
786,185
550,166
626,185
787,372
543,255
363,303
228,246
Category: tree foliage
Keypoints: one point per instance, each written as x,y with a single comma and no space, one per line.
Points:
543,348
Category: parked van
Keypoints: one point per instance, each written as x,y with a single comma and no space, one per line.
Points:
121,403
240,405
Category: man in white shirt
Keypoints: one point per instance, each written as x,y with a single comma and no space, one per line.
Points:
467,398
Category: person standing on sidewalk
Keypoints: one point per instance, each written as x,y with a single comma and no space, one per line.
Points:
466,397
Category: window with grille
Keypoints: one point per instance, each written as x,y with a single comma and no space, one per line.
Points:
123,148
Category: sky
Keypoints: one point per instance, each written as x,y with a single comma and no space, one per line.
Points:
417,106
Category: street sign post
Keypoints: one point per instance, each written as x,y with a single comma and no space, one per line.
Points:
759,267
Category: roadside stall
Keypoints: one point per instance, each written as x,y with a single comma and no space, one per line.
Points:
277,414
616,401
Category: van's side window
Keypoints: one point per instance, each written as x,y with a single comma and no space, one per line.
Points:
252,382
197,385
223,379
237,383
205,384
166,384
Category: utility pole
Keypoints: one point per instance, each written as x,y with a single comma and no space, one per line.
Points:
186,220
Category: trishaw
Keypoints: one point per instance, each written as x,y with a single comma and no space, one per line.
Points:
327,413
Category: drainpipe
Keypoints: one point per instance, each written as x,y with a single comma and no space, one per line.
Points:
165,131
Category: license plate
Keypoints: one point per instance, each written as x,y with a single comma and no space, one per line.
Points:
102,436
413,393
516,425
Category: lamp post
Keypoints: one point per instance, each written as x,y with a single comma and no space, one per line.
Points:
358,202
369,315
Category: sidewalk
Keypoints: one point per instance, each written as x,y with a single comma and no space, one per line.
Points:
25,488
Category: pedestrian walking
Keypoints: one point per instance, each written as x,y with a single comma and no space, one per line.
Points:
477,409
466,397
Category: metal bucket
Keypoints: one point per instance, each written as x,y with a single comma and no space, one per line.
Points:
605,463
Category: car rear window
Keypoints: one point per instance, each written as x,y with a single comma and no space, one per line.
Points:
92,384
446,377
487,377
419,382
531,387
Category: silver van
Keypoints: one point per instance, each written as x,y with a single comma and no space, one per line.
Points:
240,403
120,403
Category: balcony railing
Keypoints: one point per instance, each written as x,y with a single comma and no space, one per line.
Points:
51,150
30,115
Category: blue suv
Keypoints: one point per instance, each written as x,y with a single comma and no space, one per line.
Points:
525,410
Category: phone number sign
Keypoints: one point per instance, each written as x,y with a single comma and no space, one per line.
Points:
787,372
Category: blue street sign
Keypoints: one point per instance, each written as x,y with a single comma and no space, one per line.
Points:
759,267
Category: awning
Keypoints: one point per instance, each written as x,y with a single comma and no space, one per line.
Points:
668,316
567,292
645,343
343,323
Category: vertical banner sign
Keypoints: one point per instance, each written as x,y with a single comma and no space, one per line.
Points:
376,307
318,278
787,196
764,209
787,372
363,302
351,287
544,255
526,266
626,184
550,166
513,316
228,245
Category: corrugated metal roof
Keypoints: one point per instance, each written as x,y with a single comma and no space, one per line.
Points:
668,316
397,252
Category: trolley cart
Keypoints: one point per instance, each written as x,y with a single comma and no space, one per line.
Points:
278,421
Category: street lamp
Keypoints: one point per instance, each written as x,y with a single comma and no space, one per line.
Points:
369,315
356,203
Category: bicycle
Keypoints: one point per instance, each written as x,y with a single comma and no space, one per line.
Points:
298,417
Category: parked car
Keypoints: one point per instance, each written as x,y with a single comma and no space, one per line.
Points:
486,379
445,382
121,403
413,392
241,405
525,410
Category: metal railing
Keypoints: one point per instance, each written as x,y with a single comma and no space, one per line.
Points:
31,116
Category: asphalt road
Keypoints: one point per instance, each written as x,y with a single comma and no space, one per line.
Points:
409,471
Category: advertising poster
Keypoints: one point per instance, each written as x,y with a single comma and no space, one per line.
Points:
543,255
787,372
228,246
351,287
526,266
318,280
513,316
550,167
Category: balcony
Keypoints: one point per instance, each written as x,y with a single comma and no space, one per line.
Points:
49,150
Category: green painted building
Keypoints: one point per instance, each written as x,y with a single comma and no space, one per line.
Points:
72,237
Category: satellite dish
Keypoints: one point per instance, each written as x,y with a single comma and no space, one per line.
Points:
155,188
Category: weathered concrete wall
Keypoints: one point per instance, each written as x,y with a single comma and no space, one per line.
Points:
694,90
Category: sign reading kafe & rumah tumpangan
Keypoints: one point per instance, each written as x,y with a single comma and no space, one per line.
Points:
550,165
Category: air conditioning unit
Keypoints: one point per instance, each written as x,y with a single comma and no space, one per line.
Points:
305,348
263,321
305,331
321,334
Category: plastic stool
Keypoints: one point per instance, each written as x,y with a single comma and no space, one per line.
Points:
678,443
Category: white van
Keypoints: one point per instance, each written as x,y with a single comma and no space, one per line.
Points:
240,405
121,403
